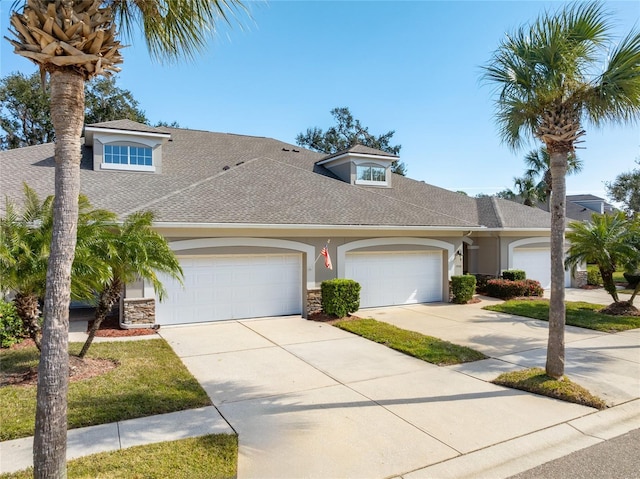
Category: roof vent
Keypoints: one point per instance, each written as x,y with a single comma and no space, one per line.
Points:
285,149
225,168
239,163
296,151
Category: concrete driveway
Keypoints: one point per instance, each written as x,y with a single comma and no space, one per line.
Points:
309,400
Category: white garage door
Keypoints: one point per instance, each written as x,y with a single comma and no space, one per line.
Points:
396,278
536,262
233,287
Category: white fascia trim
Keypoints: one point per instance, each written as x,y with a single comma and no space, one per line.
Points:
182,225
309,250
357,155
343,249
126,132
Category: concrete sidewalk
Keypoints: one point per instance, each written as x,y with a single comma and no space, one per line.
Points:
18,454
310,400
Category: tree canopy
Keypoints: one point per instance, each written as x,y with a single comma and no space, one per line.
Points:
348,132
25,117
625,189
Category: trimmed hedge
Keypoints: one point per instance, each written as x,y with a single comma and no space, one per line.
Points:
11,328
481,281
506,289
594,278
340,296
462,288
514,275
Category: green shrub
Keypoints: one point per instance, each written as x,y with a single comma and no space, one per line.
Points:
340,296
506,289
514,275
11,329
594,278
481,282
632,278
463,288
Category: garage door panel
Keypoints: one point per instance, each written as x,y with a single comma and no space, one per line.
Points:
396,278
536,263
233,287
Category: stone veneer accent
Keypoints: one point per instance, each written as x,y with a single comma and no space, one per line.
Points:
580,279
138,313
314,301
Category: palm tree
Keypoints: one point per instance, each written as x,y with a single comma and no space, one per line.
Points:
551,78
539,165
25,240
73,41
133,250
605,241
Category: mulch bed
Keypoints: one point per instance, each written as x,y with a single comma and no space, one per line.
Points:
621,308
78,369
110,328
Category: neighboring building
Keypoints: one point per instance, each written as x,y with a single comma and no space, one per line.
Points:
581,207
248,217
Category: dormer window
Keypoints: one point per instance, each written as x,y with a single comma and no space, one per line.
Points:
128,155
361,165
371,175
126,146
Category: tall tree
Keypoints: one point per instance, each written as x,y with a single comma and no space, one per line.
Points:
73,41
346,133
132,250
24,112
552,77
625,189
26,119
539,170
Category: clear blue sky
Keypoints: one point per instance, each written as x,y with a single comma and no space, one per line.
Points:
412,67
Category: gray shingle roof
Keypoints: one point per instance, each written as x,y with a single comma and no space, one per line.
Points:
128,125
224,178
365,150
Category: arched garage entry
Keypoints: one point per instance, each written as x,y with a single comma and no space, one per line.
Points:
533,255
390,274
236,286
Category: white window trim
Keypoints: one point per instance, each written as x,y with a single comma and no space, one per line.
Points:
372,182
121,167
127,167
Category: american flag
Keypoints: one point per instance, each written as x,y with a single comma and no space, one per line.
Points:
327,258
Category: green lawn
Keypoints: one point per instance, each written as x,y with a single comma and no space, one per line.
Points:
150,379
583,315
427,348
536,381
213,456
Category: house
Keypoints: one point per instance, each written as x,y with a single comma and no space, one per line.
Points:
581,207
248,217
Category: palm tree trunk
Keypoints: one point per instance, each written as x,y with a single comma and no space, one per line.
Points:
609,284
555,344
28,311
50,441
108,298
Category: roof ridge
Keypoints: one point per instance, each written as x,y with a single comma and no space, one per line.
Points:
190,186
497,211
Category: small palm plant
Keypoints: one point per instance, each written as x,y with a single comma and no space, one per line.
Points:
132,250
606,241
25,239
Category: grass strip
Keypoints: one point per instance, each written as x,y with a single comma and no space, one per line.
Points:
150,379
536,381
580,314
427,348
212,456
